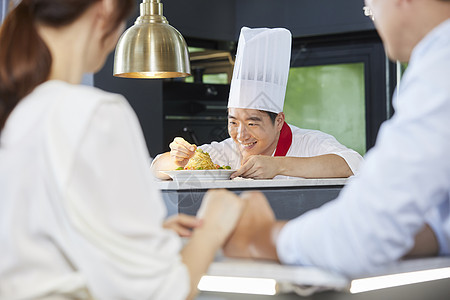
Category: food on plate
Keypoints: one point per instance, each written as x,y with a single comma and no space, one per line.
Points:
201,161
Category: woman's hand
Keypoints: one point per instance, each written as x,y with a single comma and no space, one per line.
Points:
182,224
181,151
220,212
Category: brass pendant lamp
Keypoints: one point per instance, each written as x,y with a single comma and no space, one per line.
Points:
151,48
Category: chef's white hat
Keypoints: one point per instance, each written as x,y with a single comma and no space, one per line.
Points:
261,69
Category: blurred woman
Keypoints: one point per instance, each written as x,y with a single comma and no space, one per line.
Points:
80,216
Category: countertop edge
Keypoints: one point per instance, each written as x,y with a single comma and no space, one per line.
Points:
249,183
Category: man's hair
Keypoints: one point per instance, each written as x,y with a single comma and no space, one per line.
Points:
273,115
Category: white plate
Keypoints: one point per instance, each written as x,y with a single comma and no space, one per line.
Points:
199,175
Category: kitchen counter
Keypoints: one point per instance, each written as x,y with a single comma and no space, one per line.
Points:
436,290
289,198
250,183
417,278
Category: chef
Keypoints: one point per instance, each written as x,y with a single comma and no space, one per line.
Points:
261,143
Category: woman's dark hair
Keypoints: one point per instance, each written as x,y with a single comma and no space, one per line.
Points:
25,60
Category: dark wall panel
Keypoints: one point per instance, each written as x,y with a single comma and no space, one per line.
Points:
203,19
304,17
222,20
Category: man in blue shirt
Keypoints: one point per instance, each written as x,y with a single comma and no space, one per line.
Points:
399,203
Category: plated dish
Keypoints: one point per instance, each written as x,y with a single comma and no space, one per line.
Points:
199,175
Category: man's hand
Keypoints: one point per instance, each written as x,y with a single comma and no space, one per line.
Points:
256,231
259,167
425,243
181,151
182,224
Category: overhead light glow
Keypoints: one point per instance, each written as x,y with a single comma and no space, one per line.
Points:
242,285
386,281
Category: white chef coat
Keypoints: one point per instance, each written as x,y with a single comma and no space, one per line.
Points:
79,209
305,143
404,182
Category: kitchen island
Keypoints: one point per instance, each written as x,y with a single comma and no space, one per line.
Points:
412,278
436,290
289,198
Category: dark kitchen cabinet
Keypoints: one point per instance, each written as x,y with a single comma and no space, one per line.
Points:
203,19
222,20
304,17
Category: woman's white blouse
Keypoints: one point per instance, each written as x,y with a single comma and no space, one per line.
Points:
79,209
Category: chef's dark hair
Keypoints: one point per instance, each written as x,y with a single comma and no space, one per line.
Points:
25,60
272,115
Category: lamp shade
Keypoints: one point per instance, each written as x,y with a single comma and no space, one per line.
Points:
151,48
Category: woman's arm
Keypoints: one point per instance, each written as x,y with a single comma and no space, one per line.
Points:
219,212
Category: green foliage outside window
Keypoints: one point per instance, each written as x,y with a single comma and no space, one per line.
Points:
331,99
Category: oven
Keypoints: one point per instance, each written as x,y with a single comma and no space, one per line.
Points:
196,112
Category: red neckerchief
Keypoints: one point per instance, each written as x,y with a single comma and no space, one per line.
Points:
285,140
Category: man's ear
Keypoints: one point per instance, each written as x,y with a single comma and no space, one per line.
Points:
279,120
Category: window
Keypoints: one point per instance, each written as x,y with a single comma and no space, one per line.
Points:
329,98
341,85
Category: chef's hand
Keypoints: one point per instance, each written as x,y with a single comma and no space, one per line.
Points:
256,232
182,224
181,151
258,167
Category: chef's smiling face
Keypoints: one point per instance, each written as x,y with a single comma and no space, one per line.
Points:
253,131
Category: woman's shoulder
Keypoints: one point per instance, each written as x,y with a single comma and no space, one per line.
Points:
59,107
72,107
62,99
66,92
